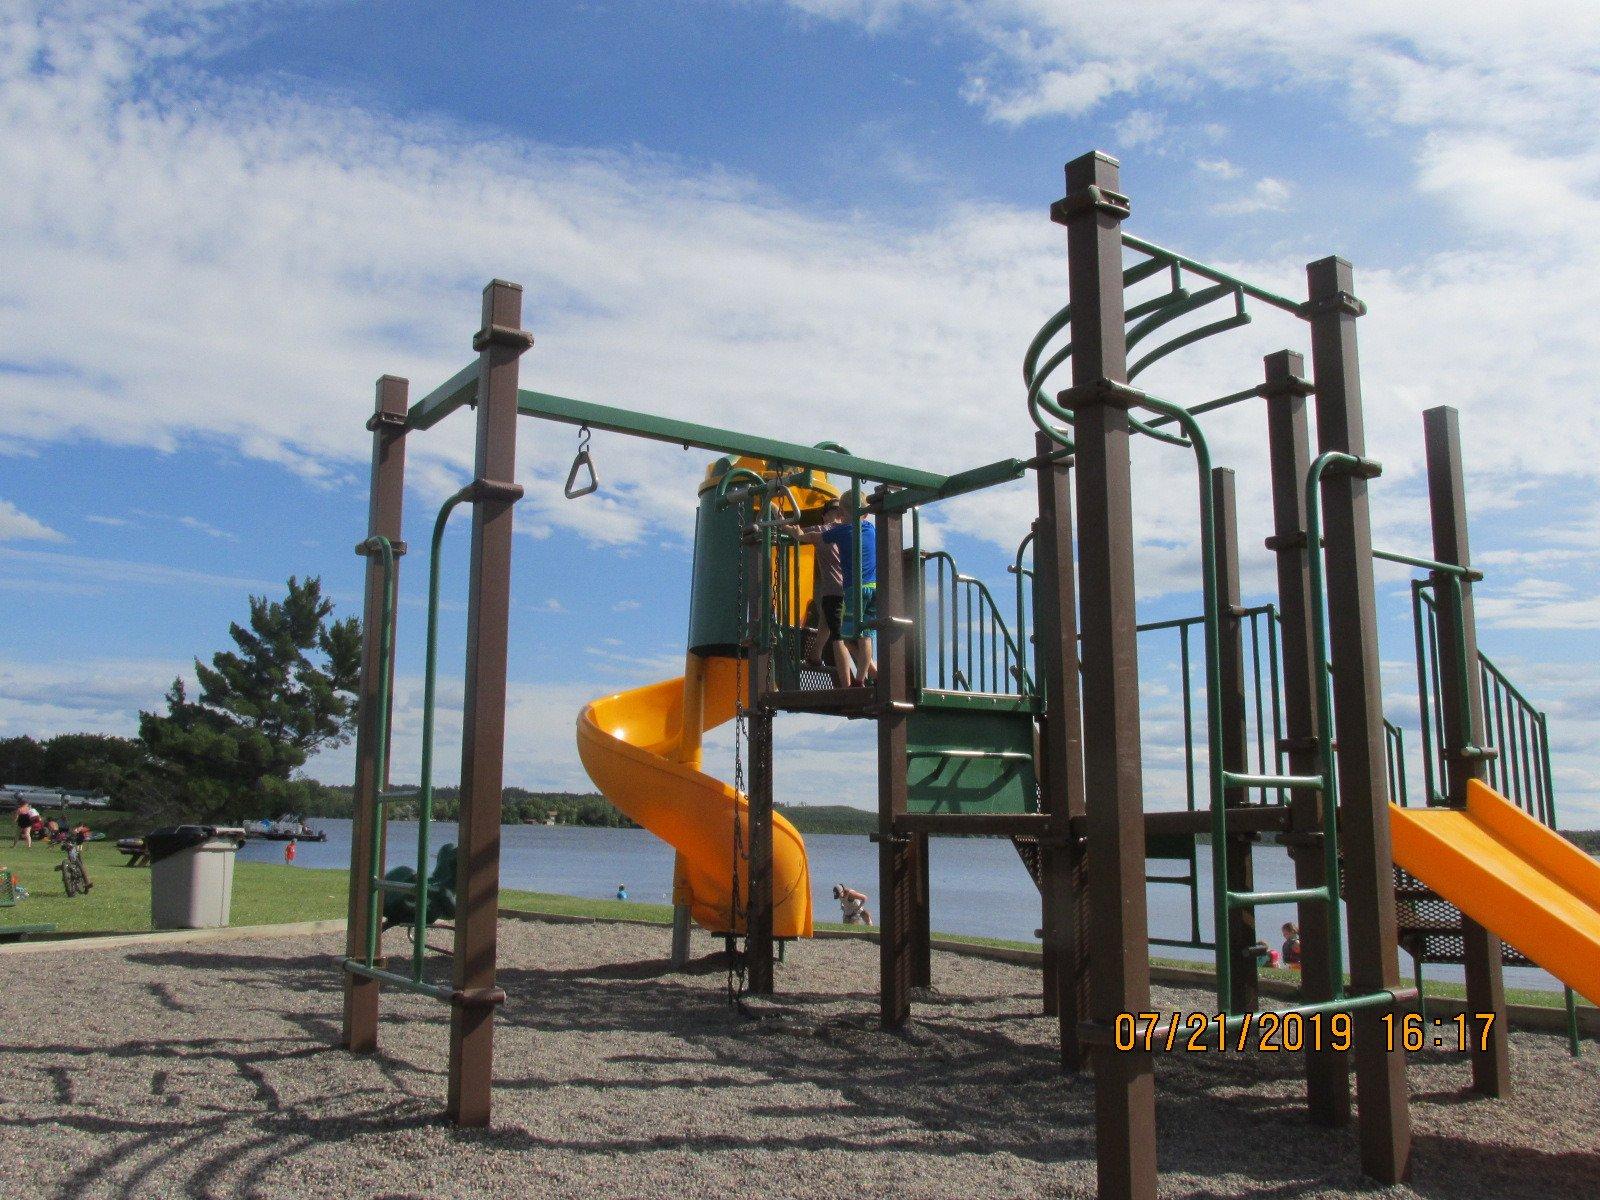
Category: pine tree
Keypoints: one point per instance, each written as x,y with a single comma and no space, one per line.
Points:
263,709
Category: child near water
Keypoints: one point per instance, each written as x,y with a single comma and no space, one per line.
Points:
853,904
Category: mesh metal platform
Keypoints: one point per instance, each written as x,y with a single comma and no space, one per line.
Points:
1432,925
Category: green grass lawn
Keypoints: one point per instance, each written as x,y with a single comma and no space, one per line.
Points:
273,893
263,893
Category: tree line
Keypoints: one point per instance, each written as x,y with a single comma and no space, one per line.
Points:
235,751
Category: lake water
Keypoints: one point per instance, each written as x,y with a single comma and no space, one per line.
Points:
978,885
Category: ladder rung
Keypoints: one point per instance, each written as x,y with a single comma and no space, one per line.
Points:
1239,779
1292,896
396,885
402,794
1009,755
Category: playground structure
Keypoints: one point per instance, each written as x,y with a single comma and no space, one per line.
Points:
1030,729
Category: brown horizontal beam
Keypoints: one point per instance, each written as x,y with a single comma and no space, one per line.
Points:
1034,825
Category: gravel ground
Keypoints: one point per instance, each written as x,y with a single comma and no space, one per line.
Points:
209,1070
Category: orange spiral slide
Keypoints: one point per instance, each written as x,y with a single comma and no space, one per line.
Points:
642,750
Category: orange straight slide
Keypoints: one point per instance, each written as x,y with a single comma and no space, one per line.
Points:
1512,875
644,756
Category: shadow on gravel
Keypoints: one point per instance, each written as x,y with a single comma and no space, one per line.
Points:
968,1075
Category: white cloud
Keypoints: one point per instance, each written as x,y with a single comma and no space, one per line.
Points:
18,526
92,695
1500,67
1141,127
208,529
1265,195
1220,167
329,244
113,522
128,573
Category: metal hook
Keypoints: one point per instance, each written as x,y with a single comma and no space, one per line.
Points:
583,462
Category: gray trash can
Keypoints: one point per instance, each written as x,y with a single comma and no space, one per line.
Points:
191,876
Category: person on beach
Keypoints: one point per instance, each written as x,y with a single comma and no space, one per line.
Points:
1291,945
853,904
289,851
622,891
26,815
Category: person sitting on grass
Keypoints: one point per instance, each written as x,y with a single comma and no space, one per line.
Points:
1291,945
853,904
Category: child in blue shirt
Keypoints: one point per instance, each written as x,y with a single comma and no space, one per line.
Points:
857,627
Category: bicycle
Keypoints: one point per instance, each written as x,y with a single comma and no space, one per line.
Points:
73,877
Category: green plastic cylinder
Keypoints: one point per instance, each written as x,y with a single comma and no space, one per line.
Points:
714,587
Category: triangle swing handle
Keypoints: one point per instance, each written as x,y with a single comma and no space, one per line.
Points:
581,463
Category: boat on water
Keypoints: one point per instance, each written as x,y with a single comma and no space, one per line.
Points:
287,828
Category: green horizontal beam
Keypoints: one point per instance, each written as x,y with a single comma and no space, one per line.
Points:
461,388
1240,779
722,441
977,701
973,480
1206,271
439,991
1290,896
1426,564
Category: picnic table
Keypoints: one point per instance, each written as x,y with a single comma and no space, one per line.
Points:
138,853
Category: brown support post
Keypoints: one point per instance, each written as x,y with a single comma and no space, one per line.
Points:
922,913
1289,446
756,838
500,342
1093,210
384,503
1244,996
896,853
758,945
1062,875
1382,1101
1462,731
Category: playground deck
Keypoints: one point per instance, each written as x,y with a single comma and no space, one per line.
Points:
209,1070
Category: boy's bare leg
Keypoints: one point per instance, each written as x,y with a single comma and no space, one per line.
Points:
866,666
843,667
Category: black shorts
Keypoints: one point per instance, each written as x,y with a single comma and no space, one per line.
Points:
832,615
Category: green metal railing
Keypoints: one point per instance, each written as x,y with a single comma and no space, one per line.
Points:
1515,729
963,643
1220,780
779,627
377,885
1146,317
1394,747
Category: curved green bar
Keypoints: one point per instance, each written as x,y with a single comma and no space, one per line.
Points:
430,673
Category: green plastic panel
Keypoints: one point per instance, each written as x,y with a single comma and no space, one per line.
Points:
946,777
714,590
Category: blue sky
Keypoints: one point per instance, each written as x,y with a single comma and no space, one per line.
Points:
815,219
